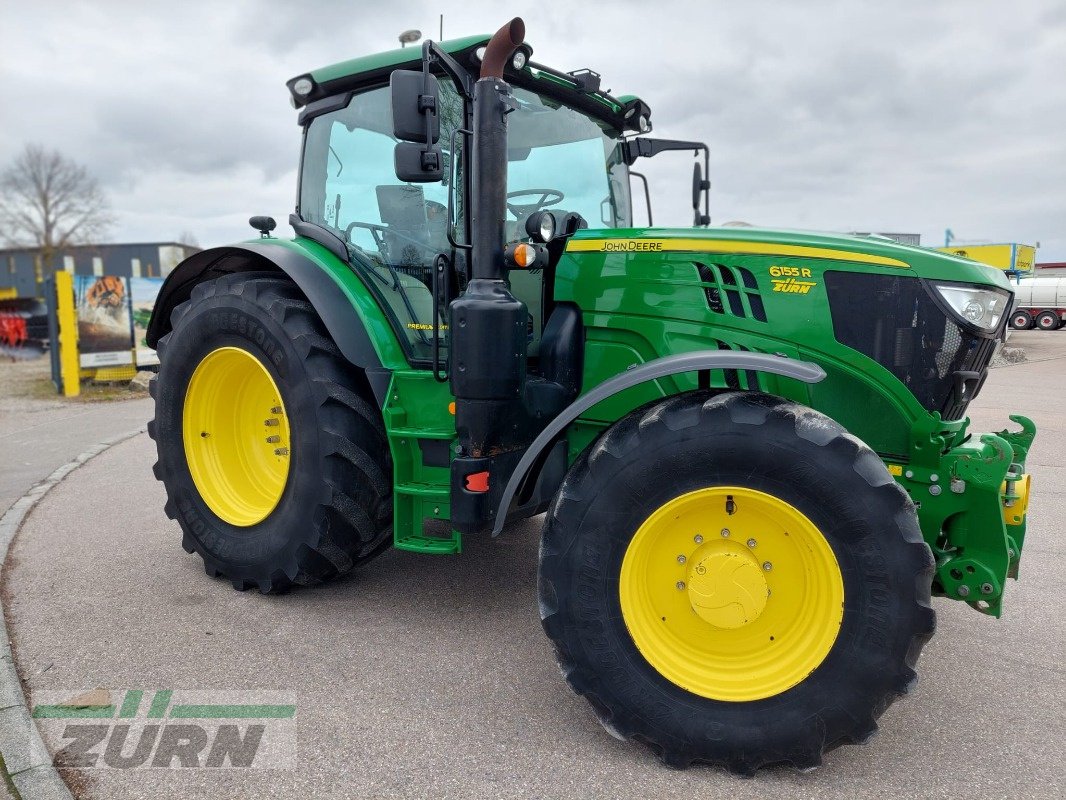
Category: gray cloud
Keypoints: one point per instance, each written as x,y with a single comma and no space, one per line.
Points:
911,116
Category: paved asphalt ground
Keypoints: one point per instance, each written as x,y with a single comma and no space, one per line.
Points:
430,676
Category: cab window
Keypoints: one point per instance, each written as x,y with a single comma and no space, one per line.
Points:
395,229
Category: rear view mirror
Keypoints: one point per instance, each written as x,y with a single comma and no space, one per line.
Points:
700,186
415,122
415,163
415,100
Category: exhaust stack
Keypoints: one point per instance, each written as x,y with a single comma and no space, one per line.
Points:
488,324
501,46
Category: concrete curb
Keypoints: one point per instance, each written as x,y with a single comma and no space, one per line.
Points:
34,776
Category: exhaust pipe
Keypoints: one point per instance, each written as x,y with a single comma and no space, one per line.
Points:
500,47
488,324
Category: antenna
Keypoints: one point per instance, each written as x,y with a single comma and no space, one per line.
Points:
442,27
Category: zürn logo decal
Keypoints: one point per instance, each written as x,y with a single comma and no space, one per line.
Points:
172,729
784,280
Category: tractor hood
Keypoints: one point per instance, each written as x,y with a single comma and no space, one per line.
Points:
860,252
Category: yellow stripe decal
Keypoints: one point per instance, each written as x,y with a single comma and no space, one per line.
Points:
725,246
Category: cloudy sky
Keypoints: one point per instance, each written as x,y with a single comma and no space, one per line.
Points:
906,116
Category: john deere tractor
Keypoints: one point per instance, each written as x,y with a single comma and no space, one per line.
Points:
751,445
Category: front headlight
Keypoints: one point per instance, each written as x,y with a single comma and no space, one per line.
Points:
980,307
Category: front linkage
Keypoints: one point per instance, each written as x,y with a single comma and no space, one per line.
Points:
972,502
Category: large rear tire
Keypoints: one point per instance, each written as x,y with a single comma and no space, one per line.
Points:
274,459
735,580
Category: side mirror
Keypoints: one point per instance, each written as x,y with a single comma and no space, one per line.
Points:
699,186
415,100
416,123
416,163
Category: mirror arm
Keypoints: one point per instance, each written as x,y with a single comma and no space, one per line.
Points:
642,147
432,53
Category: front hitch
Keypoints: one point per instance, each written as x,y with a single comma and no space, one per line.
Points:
972,507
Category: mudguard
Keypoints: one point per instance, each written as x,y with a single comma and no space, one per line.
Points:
652,370
343,322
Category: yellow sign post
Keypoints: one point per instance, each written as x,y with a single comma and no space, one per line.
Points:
66,316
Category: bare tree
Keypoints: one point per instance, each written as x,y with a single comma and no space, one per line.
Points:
188,238
50,202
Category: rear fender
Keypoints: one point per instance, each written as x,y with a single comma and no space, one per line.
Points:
341,300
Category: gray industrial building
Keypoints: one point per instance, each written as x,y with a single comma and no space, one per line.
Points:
21,268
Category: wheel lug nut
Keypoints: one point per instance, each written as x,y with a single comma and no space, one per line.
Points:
680,585
766,565
273,439
276,410
698,539
752,543
281,451
725,532
271,423
681,559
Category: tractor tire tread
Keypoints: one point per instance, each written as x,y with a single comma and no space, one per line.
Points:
351,524
625,438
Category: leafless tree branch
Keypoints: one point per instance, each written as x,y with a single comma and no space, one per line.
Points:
50,202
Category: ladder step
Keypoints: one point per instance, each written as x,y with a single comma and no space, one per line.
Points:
442,493
415,433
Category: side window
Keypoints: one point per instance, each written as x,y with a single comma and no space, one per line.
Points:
396,229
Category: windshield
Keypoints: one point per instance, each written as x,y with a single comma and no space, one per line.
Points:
558,159
552,147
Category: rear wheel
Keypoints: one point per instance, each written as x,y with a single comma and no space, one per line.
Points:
274,460
735,580
1047,321
1021,321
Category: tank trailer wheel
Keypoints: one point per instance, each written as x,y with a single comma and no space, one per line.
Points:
1047,321
274,461
1021,321
735,580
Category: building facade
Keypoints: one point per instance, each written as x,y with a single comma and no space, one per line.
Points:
22,271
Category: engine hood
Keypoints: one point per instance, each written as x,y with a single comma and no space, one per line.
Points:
857,252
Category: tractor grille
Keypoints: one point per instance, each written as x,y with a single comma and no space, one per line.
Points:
731,290
895,321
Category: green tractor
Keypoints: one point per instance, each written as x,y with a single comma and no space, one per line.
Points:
751,445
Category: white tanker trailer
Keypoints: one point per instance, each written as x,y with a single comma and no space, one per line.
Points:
1039,302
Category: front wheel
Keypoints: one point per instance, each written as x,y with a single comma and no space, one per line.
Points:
735,580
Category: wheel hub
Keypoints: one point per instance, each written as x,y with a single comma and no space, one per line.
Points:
731,593
726,586
236,436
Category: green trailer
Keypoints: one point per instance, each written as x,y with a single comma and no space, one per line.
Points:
751,445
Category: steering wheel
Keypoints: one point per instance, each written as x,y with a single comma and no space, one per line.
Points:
547,197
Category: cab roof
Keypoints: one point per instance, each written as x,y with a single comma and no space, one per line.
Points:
364,71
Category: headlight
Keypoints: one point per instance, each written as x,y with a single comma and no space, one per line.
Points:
981,308
303,86
541,227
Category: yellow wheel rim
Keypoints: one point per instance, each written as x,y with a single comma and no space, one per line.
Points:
731,593
236,436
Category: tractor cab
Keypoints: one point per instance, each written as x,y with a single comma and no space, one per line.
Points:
568,153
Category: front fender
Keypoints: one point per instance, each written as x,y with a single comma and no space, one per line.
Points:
652,370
